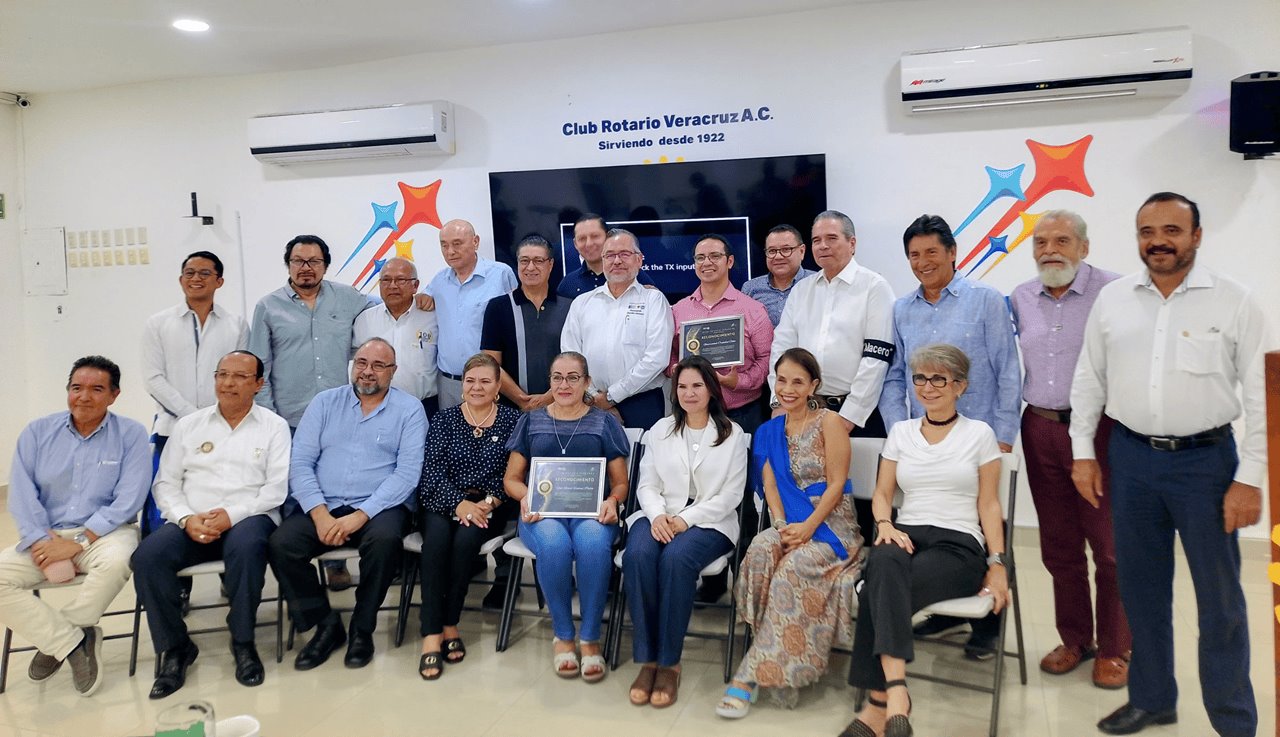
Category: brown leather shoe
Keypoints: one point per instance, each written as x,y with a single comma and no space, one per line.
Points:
1065,659
1111,673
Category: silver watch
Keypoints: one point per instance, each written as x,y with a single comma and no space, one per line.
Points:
81,539
996,559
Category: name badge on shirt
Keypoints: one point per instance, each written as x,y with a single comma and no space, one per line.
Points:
636,308
257,453
206,447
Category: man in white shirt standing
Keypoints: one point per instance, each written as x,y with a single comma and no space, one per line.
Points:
181,347
1165,352
625,332
412,332
221,482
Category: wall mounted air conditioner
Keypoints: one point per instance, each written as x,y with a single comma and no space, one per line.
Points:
411,129
1148,63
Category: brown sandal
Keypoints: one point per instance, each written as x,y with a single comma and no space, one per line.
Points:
667,683
643,682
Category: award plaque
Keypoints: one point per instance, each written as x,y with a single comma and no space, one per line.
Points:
566,487
717,339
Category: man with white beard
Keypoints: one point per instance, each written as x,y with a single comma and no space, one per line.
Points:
1051,312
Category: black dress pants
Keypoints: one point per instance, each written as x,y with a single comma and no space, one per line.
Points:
946,564
449,551
167,550
295,543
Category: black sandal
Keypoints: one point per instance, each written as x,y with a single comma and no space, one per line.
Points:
899,725
859,728
454,646
431,661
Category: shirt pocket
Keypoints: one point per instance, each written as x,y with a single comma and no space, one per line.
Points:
1200,353
634,329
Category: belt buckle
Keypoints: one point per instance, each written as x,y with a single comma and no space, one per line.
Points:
1166,444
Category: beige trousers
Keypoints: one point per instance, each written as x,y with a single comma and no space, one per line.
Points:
53,631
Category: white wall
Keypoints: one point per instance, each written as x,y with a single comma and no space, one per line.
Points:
129,156
13,368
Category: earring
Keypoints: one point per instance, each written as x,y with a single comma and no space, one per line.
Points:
586,398
813,403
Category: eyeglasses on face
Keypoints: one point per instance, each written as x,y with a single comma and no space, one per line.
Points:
401,281
618,255
570,379
714,258
379,366
233,376
310,263
202,273
531,261
784,252
935,380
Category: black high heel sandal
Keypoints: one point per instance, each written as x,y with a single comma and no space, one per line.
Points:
859,728
899,725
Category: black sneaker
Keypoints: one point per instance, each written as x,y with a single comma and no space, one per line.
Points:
937,624
86,662
981,646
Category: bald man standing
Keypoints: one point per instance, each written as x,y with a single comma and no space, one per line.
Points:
461,292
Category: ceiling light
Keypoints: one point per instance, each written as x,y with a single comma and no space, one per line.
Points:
190,25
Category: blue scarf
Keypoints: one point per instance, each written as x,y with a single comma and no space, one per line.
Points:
771,445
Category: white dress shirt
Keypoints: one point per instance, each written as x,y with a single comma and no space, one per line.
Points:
414,336
1171,367
179,357
207,465
714,478
833,319
627,341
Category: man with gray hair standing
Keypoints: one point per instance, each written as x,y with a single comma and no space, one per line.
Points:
412,332
625,331
1050,312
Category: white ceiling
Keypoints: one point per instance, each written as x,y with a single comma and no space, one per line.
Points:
56,45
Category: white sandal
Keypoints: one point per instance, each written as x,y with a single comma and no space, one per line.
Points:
595,663
562,659
736,702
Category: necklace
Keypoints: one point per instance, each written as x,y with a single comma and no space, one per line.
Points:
477,429
802,424
696,436
564,447
942,423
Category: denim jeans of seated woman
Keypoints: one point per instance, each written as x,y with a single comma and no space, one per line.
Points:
561,545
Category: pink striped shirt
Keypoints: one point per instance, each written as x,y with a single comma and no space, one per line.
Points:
756,329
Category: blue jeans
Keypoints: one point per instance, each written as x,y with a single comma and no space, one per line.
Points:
660,580
559,545
1153,495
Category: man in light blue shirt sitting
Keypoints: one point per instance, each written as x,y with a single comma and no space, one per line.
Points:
461,292
357,456
79,478
947,308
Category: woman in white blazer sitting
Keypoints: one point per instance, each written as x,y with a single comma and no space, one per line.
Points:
692,477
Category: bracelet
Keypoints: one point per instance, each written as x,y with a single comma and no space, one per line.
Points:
884,522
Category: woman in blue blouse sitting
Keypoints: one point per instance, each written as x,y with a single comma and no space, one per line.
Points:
571,427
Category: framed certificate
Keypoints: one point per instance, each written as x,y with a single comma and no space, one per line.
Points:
717,339
566,487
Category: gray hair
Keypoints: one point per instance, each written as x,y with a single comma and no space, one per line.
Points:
846,223
402,259
535,241
943,356
1077,223
623,232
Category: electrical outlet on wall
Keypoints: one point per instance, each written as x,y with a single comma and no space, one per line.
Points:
133,257
120,261
142,235
144,255
84,259
97,258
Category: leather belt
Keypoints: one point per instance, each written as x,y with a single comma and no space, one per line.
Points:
1185,442
1057,415
833,402
448,375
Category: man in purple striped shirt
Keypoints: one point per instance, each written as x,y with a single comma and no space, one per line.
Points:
1051,312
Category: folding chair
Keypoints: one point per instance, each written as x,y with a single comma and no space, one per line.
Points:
202,569
618,612
7,648
519,552
977,607
343,554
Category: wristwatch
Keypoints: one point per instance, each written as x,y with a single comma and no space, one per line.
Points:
81,539
492,501
996,559
778,524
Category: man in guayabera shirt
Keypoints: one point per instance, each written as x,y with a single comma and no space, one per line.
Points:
1050,312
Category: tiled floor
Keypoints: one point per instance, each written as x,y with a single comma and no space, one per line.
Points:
515,693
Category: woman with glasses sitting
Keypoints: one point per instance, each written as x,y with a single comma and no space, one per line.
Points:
795,585
461,505
570,549
692,476
947,541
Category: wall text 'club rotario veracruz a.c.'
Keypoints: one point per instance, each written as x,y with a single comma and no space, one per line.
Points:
667,129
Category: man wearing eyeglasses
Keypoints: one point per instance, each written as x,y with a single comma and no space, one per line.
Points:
181,347
222,479
461,292
589,232
625,332
357,457
412,332
783,252
302,331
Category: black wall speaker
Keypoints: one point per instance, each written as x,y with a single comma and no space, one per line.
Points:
1255,114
